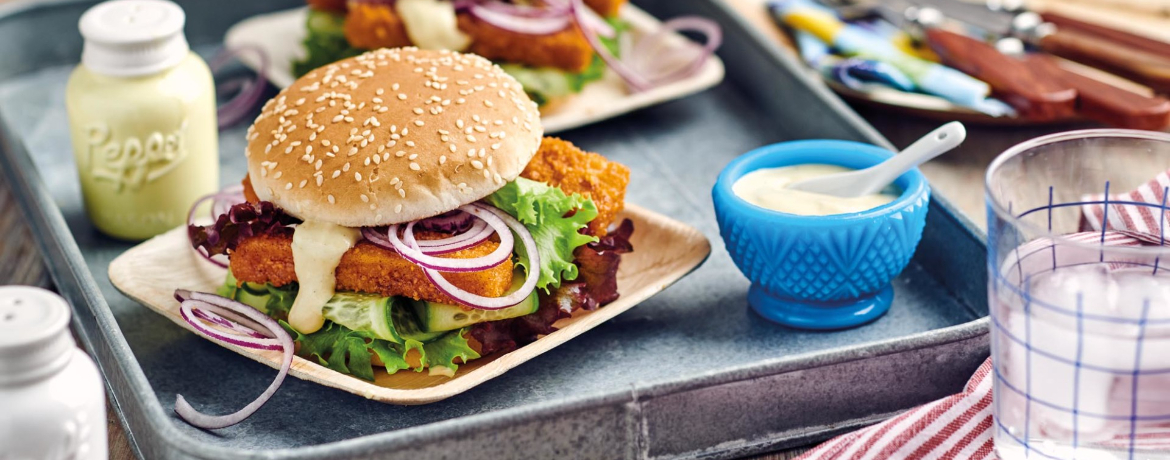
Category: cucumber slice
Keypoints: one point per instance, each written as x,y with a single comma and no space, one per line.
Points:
257,300
442,317
385,317
408,327
256,288
363,312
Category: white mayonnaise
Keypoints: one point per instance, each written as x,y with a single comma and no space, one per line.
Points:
431,24
768,188
317,248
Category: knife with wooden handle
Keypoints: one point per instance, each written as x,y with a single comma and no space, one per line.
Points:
1035,96
1158,47
1103,102
1097,46
1141,66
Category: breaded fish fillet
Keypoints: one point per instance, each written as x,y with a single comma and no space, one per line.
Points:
377,25
371,269
607,8
561,164
371,26
567,50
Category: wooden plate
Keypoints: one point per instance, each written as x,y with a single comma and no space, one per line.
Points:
665,250
280,34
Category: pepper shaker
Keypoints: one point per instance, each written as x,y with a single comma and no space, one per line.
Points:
52,400
142,118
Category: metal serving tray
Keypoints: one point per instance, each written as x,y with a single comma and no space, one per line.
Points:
690,373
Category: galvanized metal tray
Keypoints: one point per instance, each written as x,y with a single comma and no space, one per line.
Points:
691,373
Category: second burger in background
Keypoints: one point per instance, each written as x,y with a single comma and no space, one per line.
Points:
550,46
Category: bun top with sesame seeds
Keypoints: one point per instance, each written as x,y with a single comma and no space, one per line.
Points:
392,136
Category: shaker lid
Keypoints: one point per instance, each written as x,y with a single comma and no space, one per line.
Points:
126,38
34,334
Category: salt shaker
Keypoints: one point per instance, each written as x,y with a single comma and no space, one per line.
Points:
52,400
142,119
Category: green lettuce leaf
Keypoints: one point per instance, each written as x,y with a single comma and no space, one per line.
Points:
444,351
337,348
271,300
555,221
544,84
325,42
345,350
597,68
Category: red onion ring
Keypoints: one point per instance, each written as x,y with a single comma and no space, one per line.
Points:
524,24
634,77
494,303
239,107
550,9
190,300
478,232
593,21
235,323
228,197
657,70
236,337
411,251
221,201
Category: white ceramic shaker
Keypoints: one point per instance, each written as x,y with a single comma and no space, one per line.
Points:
52,399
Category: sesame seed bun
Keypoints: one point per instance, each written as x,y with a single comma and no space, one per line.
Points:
391,136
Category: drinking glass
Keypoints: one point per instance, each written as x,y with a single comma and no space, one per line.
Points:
1080,316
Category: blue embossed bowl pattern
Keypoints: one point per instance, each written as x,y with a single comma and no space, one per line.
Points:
820,272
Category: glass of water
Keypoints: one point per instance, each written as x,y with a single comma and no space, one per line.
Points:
1079,294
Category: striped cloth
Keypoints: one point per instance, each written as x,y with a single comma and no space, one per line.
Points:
1142,222
955,427
960,426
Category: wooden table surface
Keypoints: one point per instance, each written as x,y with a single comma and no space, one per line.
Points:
957,176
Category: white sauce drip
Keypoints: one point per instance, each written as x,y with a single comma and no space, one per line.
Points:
317,248
431,24
768,188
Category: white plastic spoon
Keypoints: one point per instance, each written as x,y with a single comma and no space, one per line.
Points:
871,180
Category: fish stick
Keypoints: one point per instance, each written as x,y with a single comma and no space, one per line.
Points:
371,26
376,25
606,8
371,269
566,50
561,164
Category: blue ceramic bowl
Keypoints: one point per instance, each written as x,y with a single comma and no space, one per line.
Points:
820,272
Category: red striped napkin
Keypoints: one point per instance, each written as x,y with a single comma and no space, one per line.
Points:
1141,222
960,426
956,427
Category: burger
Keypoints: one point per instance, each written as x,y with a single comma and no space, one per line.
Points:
550,46
403,210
